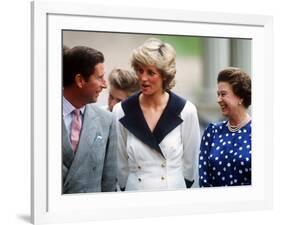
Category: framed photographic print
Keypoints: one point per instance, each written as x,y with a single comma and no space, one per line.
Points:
205,43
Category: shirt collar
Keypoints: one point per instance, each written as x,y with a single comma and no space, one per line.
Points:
68,107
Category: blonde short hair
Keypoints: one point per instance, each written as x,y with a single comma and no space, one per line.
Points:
124,80
157,53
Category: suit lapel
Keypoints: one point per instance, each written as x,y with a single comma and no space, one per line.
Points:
86,141
170,117
135,122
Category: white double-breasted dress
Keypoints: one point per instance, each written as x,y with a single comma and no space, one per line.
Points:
163,159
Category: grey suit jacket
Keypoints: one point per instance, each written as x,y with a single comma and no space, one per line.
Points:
93,167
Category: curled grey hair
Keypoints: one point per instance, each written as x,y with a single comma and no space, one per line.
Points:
124,80
157,53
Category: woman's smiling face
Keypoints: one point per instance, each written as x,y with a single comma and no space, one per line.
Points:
227,100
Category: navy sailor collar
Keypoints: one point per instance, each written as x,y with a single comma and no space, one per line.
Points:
135,122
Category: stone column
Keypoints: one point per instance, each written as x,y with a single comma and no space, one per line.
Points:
241,50
216,56
241,54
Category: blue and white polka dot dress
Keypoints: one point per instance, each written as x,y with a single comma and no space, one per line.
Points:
225,156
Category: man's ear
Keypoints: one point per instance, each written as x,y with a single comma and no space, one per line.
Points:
79,80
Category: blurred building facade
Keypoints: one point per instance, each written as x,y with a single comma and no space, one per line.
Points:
199,59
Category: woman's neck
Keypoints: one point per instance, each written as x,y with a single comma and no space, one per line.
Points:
239,118
155,101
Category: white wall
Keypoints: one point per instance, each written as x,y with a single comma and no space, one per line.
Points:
15,110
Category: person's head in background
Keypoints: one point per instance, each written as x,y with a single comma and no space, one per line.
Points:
123,83
83,75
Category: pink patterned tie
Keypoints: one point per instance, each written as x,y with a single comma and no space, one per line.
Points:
75,128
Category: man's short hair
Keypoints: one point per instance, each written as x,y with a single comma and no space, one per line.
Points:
80,60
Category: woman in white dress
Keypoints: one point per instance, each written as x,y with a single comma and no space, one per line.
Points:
158,131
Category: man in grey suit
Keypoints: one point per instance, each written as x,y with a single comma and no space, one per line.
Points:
88,136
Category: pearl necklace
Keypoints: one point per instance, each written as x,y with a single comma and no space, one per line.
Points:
232,128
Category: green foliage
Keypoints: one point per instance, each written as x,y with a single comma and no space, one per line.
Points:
184,45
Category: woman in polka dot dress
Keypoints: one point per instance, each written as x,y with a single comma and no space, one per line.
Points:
225,151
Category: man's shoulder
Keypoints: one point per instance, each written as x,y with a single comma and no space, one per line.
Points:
101,112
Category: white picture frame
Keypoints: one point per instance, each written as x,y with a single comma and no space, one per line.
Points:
48,205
